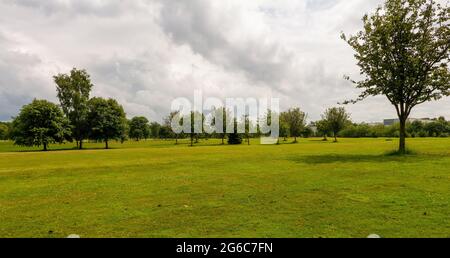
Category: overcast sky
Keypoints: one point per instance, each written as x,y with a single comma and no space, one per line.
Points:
147,53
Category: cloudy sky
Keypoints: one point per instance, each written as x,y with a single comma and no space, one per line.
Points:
145,53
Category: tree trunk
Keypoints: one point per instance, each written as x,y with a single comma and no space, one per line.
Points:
295,139
45,146
192,140
335,137
80,146
223,139
402,144
106,144
176,139
248,140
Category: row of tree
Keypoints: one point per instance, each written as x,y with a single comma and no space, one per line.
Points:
437,128
78,117
335,122
42,123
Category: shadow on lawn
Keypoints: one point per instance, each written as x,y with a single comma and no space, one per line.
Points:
355,158
63,149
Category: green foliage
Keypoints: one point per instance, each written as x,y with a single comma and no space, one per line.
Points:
73,93
295,120
225,115
139,128
403,52
40,123
155,129
307,132
107,120
4,131
234,138
356,131
322,128
165,132
436,128
336,119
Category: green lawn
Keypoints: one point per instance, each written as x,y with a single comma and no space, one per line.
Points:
156,189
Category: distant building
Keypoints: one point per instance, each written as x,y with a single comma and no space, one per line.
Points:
388,122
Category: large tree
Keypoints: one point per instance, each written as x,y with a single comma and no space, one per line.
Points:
403,53
40,123
295,119
139,128
73,93
106,119
336,119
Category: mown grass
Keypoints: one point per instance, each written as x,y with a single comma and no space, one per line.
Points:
157,189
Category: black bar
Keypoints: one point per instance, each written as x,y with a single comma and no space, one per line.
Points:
225,247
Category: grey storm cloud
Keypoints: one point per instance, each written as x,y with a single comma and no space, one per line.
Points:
218,36
145,53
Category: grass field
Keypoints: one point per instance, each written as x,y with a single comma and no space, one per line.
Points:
156,189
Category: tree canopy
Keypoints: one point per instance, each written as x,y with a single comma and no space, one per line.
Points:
73,93
139,128
40,123
295,120
4,131
403,53
107,120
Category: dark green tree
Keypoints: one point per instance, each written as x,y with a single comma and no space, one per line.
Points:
139,128
403,53
73,93
40,123
235,138
106,119
155,130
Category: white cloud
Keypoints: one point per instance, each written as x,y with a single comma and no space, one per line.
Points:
146,53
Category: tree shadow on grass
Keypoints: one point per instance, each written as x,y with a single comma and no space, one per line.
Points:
61,149
355,158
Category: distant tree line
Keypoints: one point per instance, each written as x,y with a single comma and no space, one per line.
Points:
42,123
77,118
335,122
436,128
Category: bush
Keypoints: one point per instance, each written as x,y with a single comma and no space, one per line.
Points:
423,134
234,139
